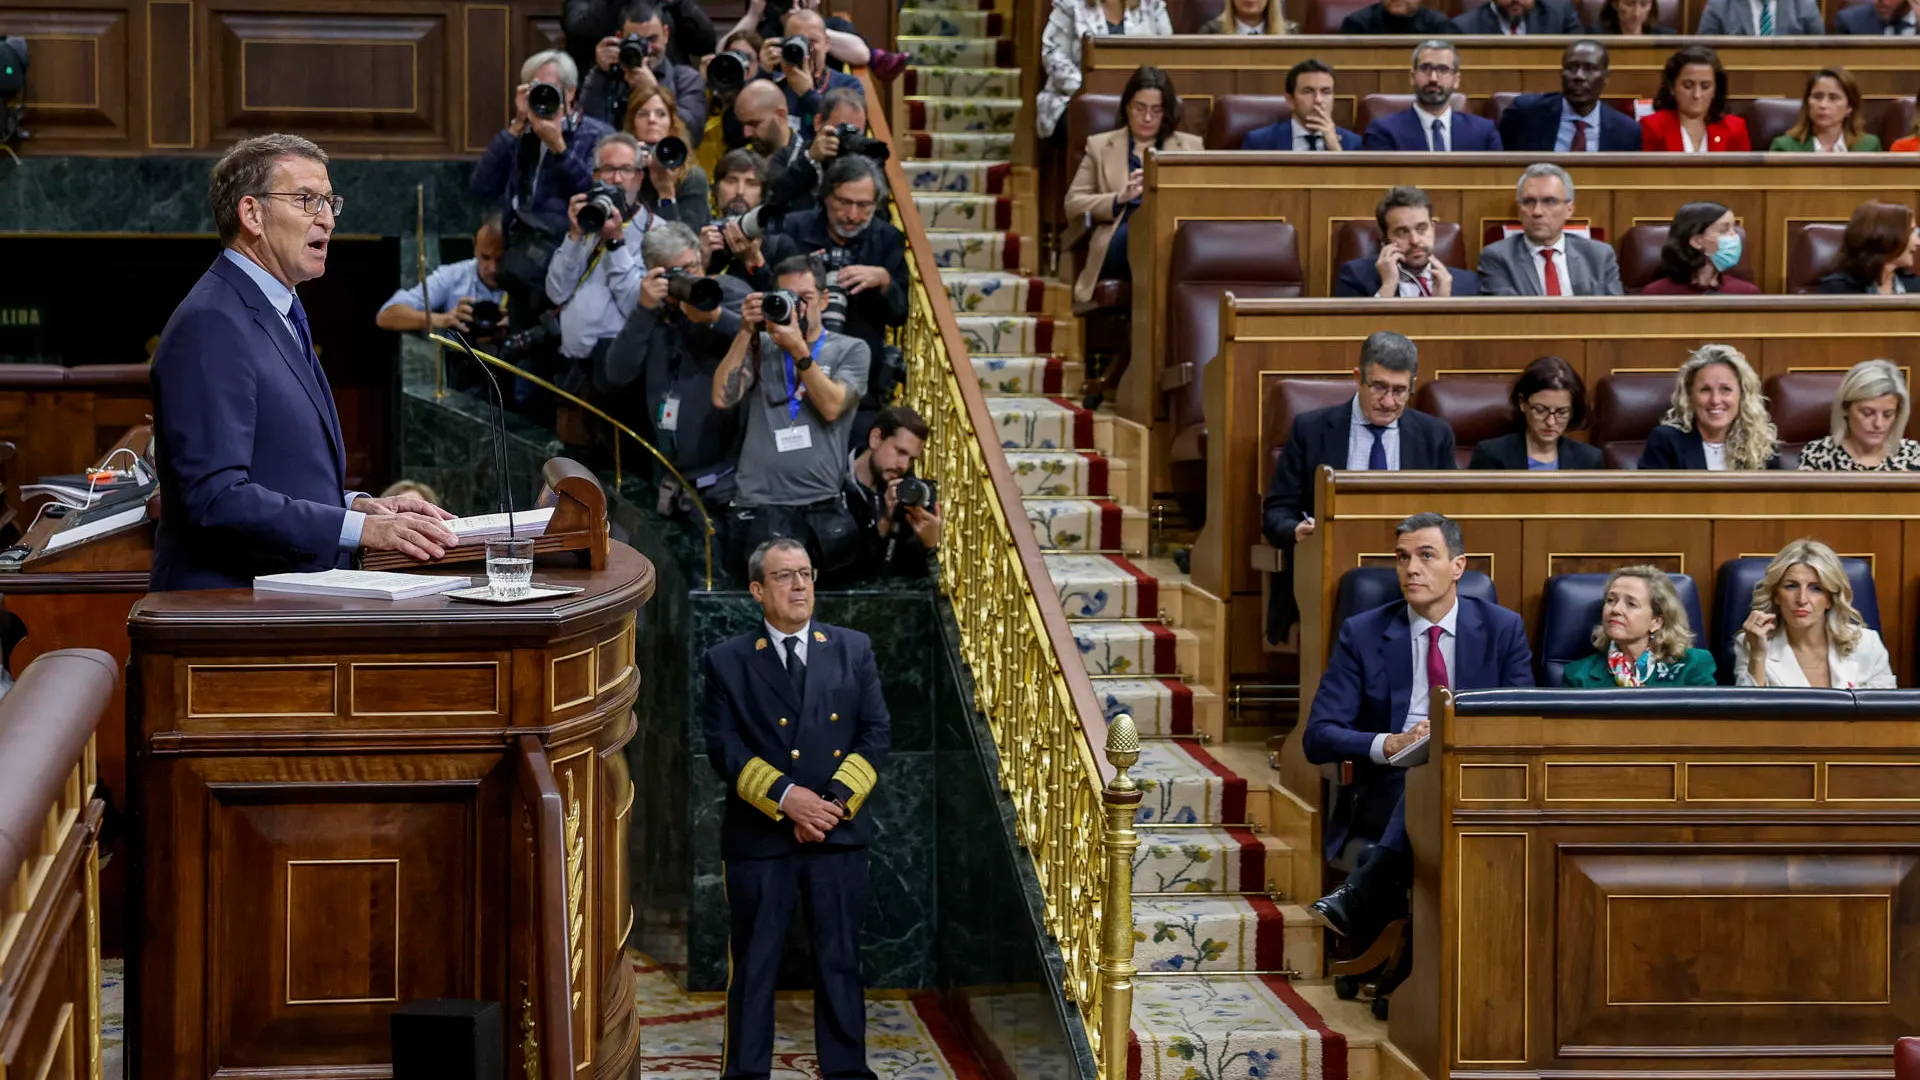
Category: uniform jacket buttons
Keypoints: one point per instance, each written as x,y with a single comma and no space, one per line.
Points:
783,721
836,753
833,716
796,753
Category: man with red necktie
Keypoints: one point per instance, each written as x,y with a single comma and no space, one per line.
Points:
1543,258
1373,702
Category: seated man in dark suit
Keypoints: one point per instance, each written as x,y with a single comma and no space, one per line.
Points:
1888,18
1432,124
1311,127
1406,266
1396,17
1374,698
1519,17
1374,431
1573,120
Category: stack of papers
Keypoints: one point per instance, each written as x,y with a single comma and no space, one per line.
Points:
365,584
527,524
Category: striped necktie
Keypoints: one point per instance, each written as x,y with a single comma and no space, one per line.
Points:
1766,18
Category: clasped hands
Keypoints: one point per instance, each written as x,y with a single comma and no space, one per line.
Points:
813,815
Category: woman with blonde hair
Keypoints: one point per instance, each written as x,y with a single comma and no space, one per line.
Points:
1803,629
1717,420
676,194
1643,638
1250,17
1869,422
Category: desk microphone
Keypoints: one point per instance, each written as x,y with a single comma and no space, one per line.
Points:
499,426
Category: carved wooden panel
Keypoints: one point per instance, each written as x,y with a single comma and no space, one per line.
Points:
448,691
375,79
1493,947
77,76
173,59
492,73
1612,781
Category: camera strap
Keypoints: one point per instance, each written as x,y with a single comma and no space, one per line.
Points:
793,379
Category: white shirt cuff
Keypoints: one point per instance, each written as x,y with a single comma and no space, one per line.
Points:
1378,751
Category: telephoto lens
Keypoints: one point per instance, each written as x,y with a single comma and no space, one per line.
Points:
727,73
778,307
635,51
543,99
689,288
793,52
603,202
912,491
670,152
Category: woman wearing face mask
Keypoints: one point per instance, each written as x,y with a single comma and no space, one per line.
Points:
1690,110
1643,638
1869,416
1703,244
1249,17
1829,120
1803,629
1549,400
1717,420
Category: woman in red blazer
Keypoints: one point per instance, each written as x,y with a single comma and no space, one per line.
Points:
1690,111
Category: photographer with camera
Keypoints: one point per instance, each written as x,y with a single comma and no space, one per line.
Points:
586,23
595,278
464,295
658,373
672,185
864,259
845,46
799,62
629,65
792,176
898,512
739,185
800,385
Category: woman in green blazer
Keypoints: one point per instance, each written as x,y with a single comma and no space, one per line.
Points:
1643,638
1829,118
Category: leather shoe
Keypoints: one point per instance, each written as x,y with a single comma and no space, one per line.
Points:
1341,910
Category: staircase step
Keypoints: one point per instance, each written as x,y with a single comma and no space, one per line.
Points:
1063,472
975,250
1025,423
962,82
993,292
963,114
967,145
1185,785
1200,861
1139,649
1087,525
964,213
934,22
1209,933
937,51
1007,375
976,177
1007,334
1159,707
1241,1027
1104,587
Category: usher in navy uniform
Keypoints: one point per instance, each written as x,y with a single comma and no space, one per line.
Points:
825,730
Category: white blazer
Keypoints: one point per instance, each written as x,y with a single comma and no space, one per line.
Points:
1867,669
1068,23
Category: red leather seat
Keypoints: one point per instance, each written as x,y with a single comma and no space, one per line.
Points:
1251,259
1813,252
1626,407
1767,119
1374,106
1476,409
1360,239
1325,16
1639,253
1665,13
1496,105
1895,118
1801,404
1234,115
1906,1059
1287,398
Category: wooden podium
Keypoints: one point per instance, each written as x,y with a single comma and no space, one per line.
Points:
339,806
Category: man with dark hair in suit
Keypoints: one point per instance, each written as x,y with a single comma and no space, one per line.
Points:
1573,120
1406,265
1888,18
1431,124
797,729
1373,702
1374,431
252,462
1396,17
1512,17
1311,127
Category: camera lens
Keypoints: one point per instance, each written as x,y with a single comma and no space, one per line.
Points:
543,99
603,202
670,152
777,307
727,73
911,492
635,51
793,52
698,293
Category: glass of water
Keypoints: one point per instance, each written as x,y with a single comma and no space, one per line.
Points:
509,568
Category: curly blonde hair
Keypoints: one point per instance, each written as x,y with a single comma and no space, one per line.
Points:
1844,623
1752,440
1675,635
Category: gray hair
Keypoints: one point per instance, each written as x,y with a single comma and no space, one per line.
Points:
1541,169
757,562
569,71
1871,379
246,169
618,138
1449,530
1389,351
833,99
848,168
666,242
1432,45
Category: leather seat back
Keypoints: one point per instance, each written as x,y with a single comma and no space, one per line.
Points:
1813,252
1364,588
1286,399
1251,259
1325,16
1570,610
1088,115
1639,251
1801,404
1733,599
1767,118
1234,115
1476,410
1374,106
1626,407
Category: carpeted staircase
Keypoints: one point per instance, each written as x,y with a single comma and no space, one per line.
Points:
1219,931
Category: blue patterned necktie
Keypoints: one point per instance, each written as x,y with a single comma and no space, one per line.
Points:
1377,457
297,314
1766,18
1439,135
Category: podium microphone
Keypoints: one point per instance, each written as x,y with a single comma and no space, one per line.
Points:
499,426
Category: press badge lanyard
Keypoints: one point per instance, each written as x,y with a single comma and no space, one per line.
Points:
793,395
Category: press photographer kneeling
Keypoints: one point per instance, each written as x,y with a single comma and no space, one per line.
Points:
799,384
898,512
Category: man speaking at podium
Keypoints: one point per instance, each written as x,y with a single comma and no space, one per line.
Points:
252,463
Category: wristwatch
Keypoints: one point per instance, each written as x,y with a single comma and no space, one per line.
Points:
802,362
616,243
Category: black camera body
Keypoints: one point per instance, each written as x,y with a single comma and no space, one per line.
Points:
488,321
727,72
544,100
604,202
914,491
853,140
795,50
530,346
697,292
777,308
635,51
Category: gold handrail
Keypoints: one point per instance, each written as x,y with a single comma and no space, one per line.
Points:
706,519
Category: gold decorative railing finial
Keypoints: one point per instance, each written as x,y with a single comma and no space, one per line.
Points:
1121,800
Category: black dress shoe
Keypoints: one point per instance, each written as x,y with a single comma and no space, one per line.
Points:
1341,910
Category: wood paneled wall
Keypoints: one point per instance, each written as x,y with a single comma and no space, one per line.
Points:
397,78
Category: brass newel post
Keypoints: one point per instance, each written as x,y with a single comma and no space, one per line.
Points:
1122,799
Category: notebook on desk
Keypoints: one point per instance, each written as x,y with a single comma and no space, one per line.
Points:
363,584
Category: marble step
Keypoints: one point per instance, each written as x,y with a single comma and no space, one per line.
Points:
1087,525
1241,1027
1136,649
1103,587
963,114
1203,934
962,82
935,22
1209,860
964,213
1030,423
1185,785
962,145
976,250
957,177
993,292
1009,334
941,51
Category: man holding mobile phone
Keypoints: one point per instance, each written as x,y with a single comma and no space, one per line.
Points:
1406,265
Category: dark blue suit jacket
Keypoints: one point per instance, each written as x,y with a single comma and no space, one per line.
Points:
1369,681
762,739
1402,131
1670,448
1279,136
252,465
1859,19
1532,122
1360,277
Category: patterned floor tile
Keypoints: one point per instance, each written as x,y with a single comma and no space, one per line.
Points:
1159,707
964,213
981,146
1006,333
931,51
1028,423
993,292
933,22
1199,861
979,177
1214,933
963,114
1184,786
1075,524
969,250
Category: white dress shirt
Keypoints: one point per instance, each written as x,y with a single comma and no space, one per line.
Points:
1360,441
1445,116
1866,668
1301,135
1417,703
1716,455
1518,29
1686,141
1901,27
1838,146
1560,268
1249,29
1755,5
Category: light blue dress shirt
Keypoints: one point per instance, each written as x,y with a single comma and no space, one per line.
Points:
597,307
445,288
1360,441
281,298
1564,140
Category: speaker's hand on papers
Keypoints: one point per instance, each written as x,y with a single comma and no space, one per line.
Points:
404,503
415,535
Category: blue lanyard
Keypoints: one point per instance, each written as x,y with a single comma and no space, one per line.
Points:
793,394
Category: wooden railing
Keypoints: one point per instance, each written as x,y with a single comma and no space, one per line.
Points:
49,873
546,1021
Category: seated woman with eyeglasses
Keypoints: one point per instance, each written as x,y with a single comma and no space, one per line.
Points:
1643,638
1112,177
1548,399
1803,629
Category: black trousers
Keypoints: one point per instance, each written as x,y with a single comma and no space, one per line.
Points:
829,885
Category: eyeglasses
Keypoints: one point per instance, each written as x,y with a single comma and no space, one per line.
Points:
788,578
1435,69
617,171
855,204
1542,202
1388,390
310,202
1541,412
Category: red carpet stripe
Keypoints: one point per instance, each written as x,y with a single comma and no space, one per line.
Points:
1003,213
998,172
1333,1045
1043,334
1010,251
1146,589
1269,935
1052,375
948,1036
922,144
1133,1055
1233,792
1096,468
1253,861
1182,720
916,115
1037,302
1082,423
1166,654
1110,515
